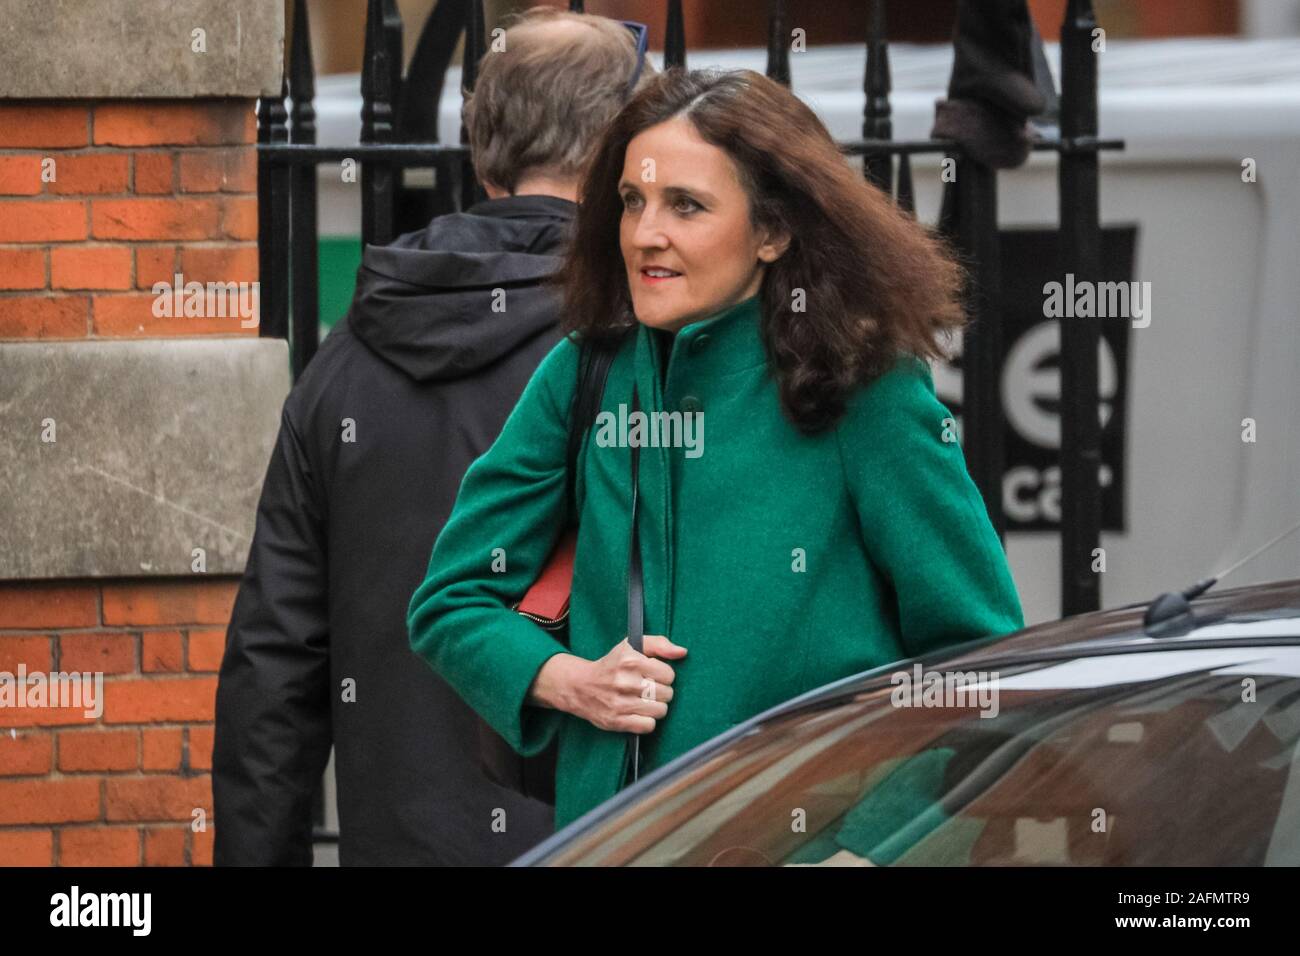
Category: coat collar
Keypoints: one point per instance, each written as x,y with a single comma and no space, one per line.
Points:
528,206
727,342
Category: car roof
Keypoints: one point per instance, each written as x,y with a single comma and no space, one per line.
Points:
1268,613
1244,613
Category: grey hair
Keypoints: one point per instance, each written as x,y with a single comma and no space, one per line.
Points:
542,102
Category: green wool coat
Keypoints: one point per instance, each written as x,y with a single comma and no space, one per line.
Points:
780,561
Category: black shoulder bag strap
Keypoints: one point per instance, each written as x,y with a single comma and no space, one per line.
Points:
593,370
635,594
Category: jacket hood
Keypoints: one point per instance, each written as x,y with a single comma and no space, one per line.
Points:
427,302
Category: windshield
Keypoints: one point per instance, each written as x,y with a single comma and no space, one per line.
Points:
1176,757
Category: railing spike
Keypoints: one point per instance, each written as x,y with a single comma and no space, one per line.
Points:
675,36
376,78
474,45
876,120
906,195
302,78
380,76
272,218
304,251
778,42
471,191
1080,244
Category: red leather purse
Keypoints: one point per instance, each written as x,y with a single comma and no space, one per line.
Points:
547,601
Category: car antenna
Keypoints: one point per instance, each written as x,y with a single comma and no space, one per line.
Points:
1174,604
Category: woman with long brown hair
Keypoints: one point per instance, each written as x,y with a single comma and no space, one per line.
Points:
756,292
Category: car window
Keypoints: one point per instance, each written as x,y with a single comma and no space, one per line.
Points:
1173,757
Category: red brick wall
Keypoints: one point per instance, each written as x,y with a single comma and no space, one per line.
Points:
120,790
142,190
1150,18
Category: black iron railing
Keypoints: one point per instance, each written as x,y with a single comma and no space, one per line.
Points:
399,129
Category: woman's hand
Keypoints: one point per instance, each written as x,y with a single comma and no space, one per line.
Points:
624,691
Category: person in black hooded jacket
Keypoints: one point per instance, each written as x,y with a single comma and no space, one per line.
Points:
446,327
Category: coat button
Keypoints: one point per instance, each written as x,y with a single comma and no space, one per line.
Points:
699,343
690,405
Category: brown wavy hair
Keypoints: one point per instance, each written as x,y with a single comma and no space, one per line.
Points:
876,283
